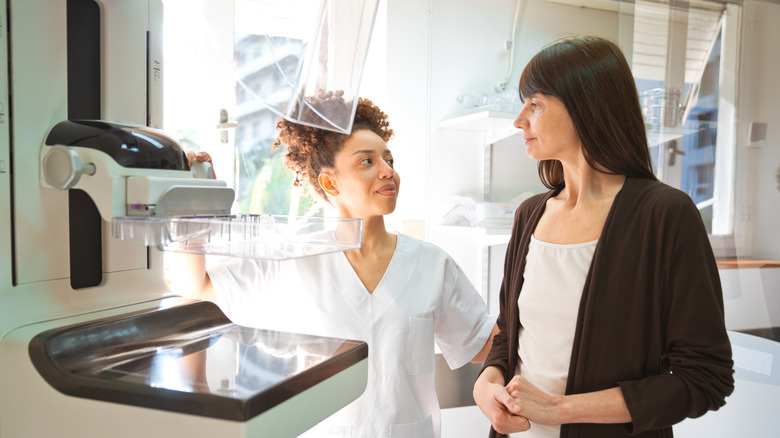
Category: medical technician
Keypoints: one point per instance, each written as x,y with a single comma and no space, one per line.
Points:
397,293
611,314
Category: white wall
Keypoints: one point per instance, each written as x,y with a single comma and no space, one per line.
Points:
752,296
408,27
758,200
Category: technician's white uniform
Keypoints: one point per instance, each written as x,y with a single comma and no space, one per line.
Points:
423,296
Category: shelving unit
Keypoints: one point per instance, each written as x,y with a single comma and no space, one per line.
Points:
494,127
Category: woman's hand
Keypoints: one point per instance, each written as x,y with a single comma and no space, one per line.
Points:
605,406
201,157
534,404
495,402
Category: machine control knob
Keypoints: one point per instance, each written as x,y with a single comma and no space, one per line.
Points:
63,167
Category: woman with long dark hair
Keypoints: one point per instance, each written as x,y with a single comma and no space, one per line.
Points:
611,312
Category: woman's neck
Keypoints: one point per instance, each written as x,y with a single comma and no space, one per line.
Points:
371,260
584,184
375,236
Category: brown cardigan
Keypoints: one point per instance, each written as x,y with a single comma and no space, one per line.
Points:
651,314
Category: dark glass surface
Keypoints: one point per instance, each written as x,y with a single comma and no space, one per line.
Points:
134,146
188,358
236,362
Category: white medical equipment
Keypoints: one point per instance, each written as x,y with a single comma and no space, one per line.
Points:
92,342
751,410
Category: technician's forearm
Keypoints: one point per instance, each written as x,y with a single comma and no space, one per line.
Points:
187,276
483,354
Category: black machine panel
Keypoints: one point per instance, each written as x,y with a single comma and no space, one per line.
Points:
188,358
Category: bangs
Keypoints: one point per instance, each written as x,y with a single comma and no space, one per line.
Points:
532,81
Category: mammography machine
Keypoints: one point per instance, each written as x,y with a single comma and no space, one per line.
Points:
92,342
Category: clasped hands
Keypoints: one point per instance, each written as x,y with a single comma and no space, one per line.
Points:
513,407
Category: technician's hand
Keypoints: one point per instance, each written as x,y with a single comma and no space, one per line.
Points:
533,403
201,156
498,406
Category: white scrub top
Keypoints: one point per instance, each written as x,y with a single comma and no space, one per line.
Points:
423,296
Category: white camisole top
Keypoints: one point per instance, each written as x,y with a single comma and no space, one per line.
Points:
549,302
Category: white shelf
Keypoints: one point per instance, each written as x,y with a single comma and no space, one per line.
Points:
495,124
480,121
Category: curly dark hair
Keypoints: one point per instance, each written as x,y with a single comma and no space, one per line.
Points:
311,150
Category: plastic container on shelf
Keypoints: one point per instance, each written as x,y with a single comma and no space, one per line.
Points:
268,237
662,107
505,101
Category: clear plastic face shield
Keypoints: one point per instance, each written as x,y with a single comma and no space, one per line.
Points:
318,47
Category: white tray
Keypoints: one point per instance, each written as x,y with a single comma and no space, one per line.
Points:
268,237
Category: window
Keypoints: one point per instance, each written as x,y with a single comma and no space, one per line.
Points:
679,58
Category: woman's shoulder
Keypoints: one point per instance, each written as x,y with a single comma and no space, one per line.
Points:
653,194
657,204
532,204
414,245
421,250
534,201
